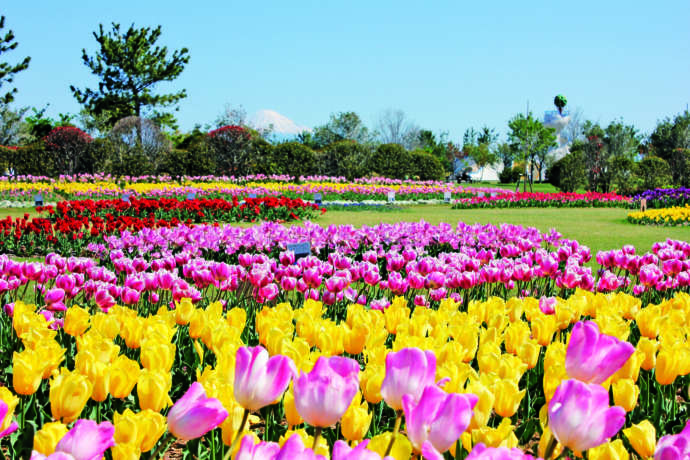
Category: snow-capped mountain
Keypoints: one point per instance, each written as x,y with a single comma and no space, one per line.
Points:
265,119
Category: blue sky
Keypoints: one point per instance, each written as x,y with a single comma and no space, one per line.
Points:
449,65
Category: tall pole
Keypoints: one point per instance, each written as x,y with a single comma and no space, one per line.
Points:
524,182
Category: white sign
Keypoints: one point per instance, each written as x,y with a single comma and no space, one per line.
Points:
446,197
391,197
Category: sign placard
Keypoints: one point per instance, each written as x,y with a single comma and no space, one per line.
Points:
125,197
446,197
391,197
251,195
301,249
318,199
38,199
480,194
191,196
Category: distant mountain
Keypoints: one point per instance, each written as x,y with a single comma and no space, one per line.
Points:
282,125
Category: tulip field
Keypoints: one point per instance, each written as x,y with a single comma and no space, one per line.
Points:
141,322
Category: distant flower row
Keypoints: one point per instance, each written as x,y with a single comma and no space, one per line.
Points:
542,200
676,215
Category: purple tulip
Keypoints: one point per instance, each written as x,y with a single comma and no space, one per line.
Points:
674,446
323,395
260,380
87,440
261,451
408,371
54,295
481,452
3,414
438,419
593,357
194,415
580,417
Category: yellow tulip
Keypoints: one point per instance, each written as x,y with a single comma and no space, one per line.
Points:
99,373
124,374
197,324
157,355
516,334
543,328
76,321
544,441
355,338
402,448
69,392
152,390
631,368
356,420
291,414
642,438
501,436
184,309
11,402
609,451
105,324
370,382
125,452
625,394
132,331
648,347
27,372
232,423
142,429
321,446
507,396
482,410
529,353
102,347
47,438
52,355
667,366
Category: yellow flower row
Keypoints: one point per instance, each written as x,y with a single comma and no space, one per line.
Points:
674,215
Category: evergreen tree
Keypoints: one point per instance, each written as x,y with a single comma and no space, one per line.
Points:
7,71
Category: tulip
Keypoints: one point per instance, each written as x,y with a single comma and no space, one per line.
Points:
547,305
610,451
323,395
438,418
507,398
125,452
97,371
676,446
124,374
261,451
642,438
76,321
356,420
481,452
27,371
69,393
580,417
341,451
142,430
87,440
260,380
153,388
625,394
408,371
47,438
194,415
294,449
593,357
157,355
8,402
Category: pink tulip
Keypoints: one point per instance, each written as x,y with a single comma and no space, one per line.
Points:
674,446
341,451
261,451
438,419
408,371
294,449
481,452
260,380
580,417
87,440
547,305
323,395
54,295
3,413
194,415
593,357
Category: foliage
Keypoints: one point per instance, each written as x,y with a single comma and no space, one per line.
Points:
653,172
560,102
345,158
390,160
531,141
28,160
341,126
623,179
129,65
670,141
509,175
134,137
568,173
8,71
229,147
294,159
394,127
13,130
426,166
67,145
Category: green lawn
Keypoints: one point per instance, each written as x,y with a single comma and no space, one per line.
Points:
598,228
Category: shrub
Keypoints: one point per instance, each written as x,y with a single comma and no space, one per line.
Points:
391,160
294,159
138,139
426,166
653,172
568,173
230,150
261,154
28,160
344,158
623,180
69,147
509,175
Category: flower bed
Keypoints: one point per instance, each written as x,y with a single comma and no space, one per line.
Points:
542,200
675,215
663,197
71,225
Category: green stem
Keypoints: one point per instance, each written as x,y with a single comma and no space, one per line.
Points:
317,435
162,446
550,447
396,428
245,416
